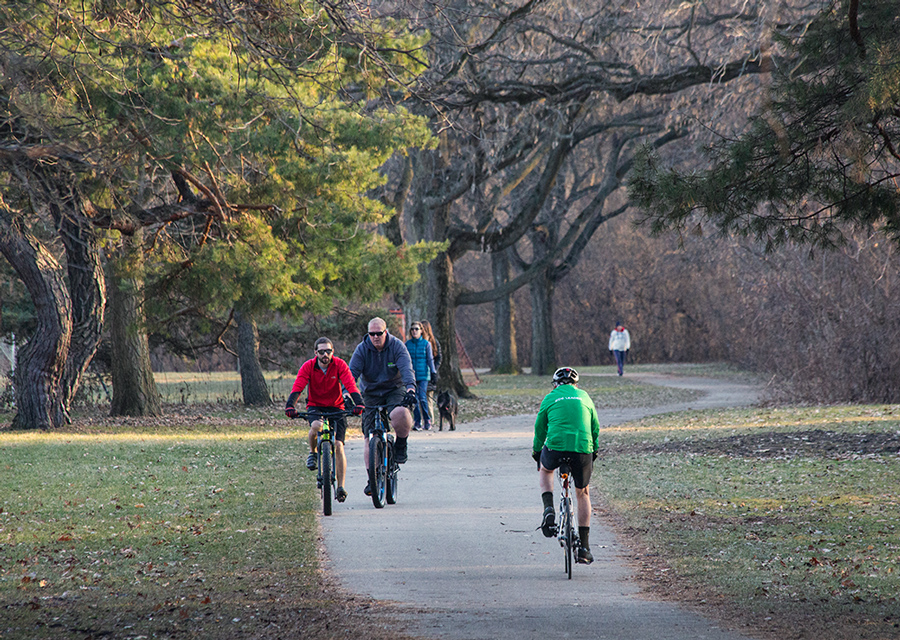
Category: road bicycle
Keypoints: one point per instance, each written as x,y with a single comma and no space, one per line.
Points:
566,531
383,468
327,477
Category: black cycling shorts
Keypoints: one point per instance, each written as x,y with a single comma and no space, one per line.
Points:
391,399
580,464
338,424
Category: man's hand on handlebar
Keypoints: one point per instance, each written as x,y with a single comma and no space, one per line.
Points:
290,412
358,409
410,399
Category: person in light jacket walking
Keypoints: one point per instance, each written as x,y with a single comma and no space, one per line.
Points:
619,344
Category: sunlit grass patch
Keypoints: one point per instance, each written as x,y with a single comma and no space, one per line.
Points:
499,395
716,424
190,387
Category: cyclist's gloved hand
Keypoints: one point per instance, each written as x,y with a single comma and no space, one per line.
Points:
410,399
594,456
536,455
358,409
290,412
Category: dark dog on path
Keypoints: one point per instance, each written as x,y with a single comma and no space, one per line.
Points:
448,407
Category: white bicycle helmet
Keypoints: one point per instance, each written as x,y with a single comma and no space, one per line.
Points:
565,375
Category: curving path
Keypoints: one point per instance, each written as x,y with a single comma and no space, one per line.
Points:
460,556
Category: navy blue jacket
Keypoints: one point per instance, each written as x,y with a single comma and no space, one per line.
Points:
380,372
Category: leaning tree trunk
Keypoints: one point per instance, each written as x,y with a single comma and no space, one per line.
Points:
87,284
506,358
134,389
41,362
253,383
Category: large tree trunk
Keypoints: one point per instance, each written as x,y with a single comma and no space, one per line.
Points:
543,352
445,326
134,389
41,362
253,383
506,358
87,286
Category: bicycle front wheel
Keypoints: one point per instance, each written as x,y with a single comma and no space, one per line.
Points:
377,471
326,468
392,473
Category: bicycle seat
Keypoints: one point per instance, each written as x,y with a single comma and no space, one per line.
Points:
564,468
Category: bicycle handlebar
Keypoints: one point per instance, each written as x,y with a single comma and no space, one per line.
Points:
316,415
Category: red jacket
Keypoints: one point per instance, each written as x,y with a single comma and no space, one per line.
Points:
325,387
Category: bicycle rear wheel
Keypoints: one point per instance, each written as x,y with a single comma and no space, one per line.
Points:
568,534
377,471
392,475
326,468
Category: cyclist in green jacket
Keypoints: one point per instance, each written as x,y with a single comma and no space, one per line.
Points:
567,430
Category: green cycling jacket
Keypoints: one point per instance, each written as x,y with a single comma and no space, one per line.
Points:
567,421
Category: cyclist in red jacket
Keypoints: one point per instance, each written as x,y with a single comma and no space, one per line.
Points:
324,374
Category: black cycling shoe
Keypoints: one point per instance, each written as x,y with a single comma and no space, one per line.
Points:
340,495
368,489
584,556
311,461
548,524
400,455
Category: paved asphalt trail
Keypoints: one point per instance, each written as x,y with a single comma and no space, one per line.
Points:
460,556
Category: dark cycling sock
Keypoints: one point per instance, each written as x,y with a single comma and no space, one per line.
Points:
583,533
401,442
547,497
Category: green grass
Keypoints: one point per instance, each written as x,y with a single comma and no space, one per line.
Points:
203,522
499,395
151,533
808,534
191,387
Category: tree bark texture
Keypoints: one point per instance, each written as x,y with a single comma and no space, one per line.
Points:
543,351
506,358
41,362
253,383
134,389
445,326
87,287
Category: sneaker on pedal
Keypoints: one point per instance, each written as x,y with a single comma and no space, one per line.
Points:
400,455
548,524
340,495
584,556
311,462
368,489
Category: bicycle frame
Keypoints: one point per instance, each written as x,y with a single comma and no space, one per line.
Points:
566,530
326,477
382,467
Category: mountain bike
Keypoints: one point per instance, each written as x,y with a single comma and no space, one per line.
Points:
565,529
326,477
383,469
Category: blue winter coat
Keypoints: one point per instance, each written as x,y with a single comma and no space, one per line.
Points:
422,358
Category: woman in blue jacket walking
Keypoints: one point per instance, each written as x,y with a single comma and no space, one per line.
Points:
423,366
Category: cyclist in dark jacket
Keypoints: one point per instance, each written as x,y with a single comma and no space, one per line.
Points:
384,371
567,430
